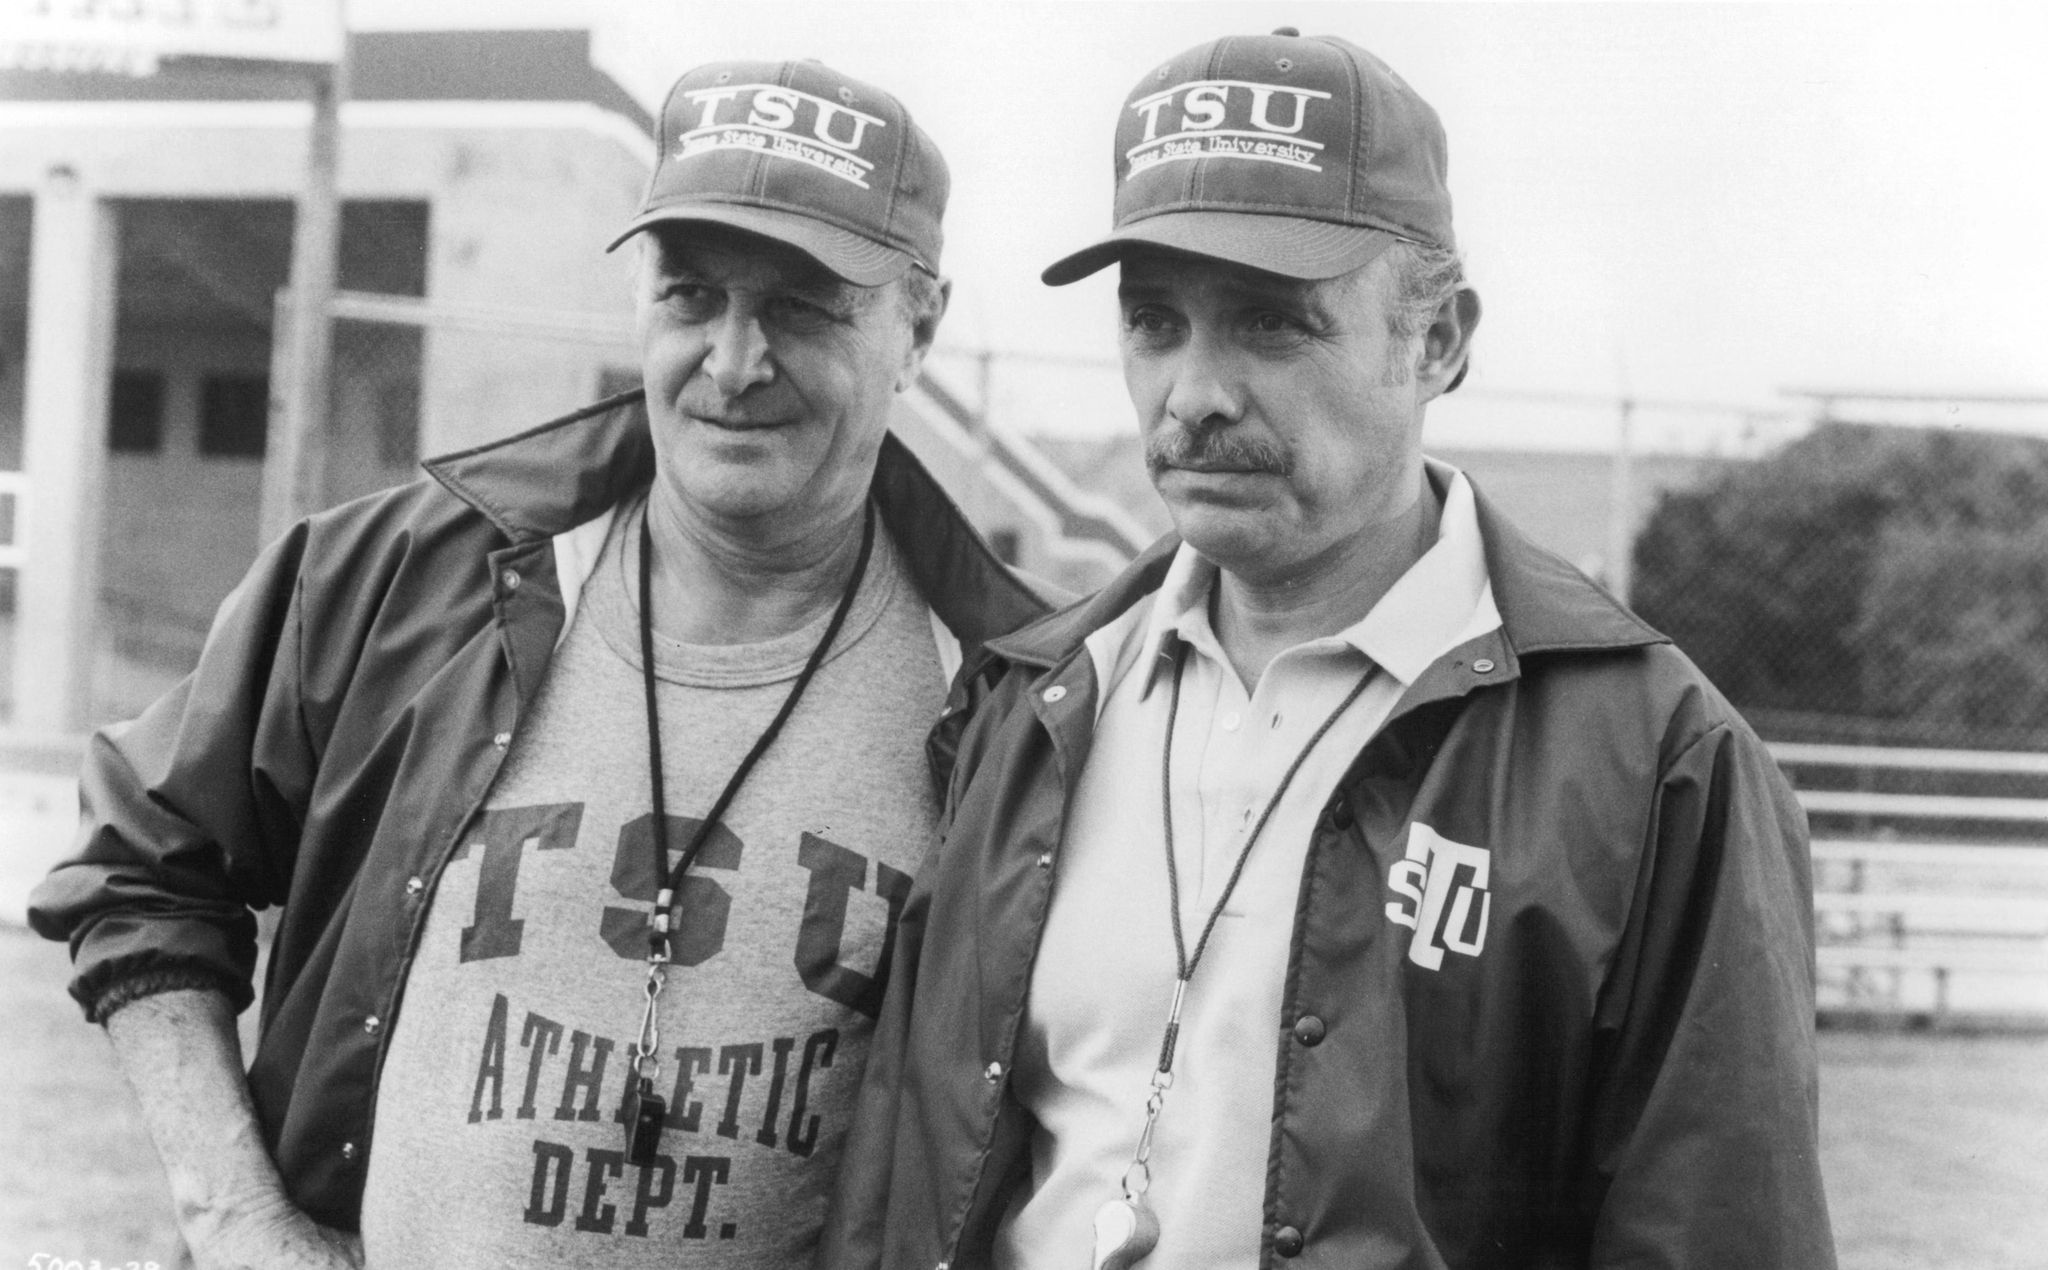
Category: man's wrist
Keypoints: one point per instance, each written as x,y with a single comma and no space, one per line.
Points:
156,981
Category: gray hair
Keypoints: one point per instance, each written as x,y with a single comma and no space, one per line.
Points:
922,298
1424,278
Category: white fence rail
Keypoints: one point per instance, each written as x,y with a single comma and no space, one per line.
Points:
1908,924
1922,806
1865,756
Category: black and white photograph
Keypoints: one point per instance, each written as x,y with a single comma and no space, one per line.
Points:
778,516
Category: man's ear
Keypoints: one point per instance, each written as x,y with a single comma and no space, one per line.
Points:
1447,345
924,331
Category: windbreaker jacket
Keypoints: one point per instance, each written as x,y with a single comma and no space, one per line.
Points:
1613,1067
351,708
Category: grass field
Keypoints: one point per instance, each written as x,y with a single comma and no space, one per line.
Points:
1935,1148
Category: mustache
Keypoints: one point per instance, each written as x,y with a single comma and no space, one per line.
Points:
1213,447
747,407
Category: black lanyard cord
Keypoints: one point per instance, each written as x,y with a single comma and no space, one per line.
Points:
1184,962
667,878
1138,1177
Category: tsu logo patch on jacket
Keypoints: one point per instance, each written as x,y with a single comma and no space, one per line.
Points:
1444,900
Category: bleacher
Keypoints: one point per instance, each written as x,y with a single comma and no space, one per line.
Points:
1930,883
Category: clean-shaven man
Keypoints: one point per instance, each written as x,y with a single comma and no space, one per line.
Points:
590,775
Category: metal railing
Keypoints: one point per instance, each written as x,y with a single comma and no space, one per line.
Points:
1908,924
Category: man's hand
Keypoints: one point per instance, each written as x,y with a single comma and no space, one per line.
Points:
184,1061
279,1236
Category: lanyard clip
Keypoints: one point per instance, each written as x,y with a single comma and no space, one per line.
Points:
646,1058
643,1111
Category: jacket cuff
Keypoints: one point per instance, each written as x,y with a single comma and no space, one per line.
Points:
119,947
148,983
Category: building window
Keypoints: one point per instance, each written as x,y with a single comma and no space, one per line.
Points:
234,415
384,246
135,412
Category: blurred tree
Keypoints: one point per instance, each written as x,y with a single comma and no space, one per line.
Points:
1954,627
1880,572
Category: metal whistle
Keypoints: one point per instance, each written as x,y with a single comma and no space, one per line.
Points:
1125,1232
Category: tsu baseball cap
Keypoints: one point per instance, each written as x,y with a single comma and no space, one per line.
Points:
1301,156
797,152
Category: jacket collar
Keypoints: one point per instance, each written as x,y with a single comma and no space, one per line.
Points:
568,471
1546,606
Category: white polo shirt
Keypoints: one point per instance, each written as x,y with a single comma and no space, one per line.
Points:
1104,977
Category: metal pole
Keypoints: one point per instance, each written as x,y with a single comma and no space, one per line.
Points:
1621,518
74,256
295,463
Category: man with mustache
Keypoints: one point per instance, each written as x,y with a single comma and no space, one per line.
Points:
1351,883
590,775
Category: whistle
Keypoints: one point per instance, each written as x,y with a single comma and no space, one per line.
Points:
643,1114
1125,1232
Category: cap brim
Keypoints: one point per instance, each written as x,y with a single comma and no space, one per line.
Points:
1291,246
858,260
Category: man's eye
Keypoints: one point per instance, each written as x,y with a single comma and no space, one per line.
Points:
1270,323
1148,322
689,296
794,311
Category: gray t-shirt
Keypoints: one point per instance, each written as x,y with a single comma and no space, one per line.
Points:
497,1135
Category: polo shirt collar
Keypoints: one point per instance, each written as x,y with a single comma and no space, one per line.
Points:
1444,599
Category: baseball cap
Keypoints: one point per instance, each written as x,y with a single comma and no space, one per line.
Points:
797,152
1301,156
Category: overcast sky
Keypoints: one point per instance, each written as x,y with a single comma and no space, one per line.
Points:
1687,201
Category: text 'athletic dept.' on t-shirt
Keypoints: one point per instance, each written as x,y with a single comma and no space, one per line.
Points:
497,1137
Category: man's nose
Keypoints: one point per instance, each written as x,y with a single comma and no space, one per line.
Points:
1203,390
738,358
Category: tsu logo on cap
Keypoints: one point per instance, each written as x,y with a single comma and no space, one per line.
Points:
784,122
1226,118
1303,157
799,153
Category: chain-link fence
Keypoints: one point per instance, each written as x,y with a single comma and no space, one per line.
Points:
1867,585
